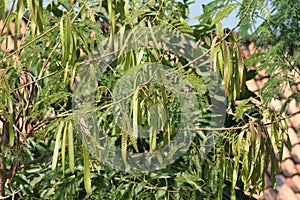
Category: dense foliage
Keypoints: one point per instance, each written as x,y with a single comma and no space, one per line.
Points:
42,157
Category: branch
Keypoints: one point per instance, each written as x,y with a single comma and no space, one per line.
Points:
35,161
244,126
29,43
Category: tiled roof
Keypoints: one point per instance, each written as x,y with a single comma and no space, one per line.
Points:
288,180
8,45
287,185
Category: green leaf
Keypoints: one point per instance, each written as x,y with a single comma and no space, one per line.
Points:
11,131
222,171
153,112
136,113
71,147
86,171
20,9
57,145
31,5
124,146
226,67
213,53
40,16
224,12
241,68
133,141
65,36
111,13
126,8
161,192
219,30
207,40
63,150
2,9
251,74
139,187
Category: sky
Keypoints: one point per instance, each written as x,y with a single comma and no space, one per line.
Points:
196,10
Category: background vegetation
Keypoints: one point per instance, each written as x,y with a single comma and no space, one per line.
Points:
41,157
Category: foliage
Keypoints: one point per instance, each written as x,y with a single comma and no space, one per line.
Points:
36,114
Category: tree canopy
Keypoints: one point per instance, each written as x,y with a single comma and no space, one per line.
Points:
124,99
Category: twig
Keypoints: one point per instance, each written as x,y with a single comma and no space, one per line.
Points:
283,118
244,126
35,161
29,43
34,81
221,129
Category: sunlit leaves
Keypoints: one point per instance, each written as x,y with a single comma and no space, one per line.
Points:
71,147
124,138
2,9
240,156
57,146
63,149
21,10
224,12
65,36
136,114
65,129
87,174
226,58
36,12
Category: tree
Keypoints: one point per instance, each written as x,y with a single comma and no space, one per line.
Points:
37,99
